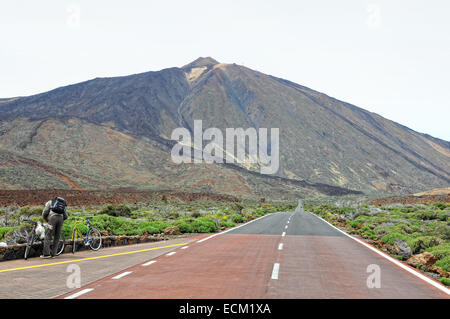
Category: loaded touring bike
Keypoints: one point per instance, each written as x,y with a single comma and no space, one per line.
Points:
37,234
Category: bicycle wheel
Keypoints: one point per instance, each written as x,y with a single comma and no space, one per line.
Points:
95,239
30,241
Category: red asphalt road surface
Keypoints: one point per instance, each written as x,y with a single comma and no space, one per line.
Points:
315,261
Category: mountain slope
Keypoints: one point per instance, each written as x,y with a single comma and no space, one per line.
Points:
125,124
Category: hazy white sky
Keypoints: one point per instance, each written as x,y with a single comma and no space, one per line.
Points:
389,57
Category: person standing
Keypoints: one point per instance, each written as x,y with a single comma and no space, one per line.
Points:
54,214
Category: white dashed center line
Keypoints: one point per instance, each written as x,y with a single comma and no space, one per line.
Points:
184,247
126,273
280,246
276,268
171,253
283,234
82,292
285,227
149,263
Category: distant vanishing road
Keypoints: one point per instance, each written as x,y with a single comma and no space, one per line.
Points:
281,255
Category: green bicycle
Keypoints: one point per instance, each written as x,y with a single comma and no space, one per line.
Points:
93,237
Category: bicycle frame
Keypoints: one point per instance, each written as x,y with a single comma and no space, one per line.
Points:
77,231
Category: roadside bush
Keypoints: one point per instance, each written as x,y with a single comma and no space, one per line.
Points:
249,217
445,281
227,223
116,210
237,218
439,205
444,263
444,216
28,211
174,215
196,214
354,223
185,225
4,231
260,212
391,237
238,207
148,227
443,253
419,244
427,215
369,234
204,225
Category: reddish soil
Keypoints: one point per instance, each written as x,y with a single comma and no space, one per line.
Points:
411,199
117,196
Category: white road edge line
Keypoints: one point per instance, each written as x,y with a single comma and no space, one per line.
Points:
276,268
126,273
226,231
280,246
82,292
171,253
394,261
149,263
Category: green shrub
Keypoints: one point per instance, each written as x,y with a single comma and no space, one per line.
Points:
419,244
204,225
4,231
439,205
391,237
427,215
143,228
444,216
184,226
369,234
28,211
196,214
174,215
237,218
445,281
227,223
249,217
238,207
116,210
260,212
444,263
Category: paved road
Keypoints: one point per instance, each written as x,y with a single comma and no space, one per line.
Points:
37,278
281,255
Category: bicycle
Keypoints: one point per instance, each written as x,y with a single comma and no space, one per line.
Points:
93,237
36,234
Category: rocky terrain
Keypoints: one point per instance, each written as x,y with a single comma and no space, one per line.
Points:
118,196
428,197
115,132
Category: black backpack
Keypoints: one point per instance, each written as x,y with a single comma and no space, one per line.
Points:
58,205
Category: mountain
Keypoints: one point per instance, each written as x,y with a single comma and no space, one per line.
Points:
115,132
